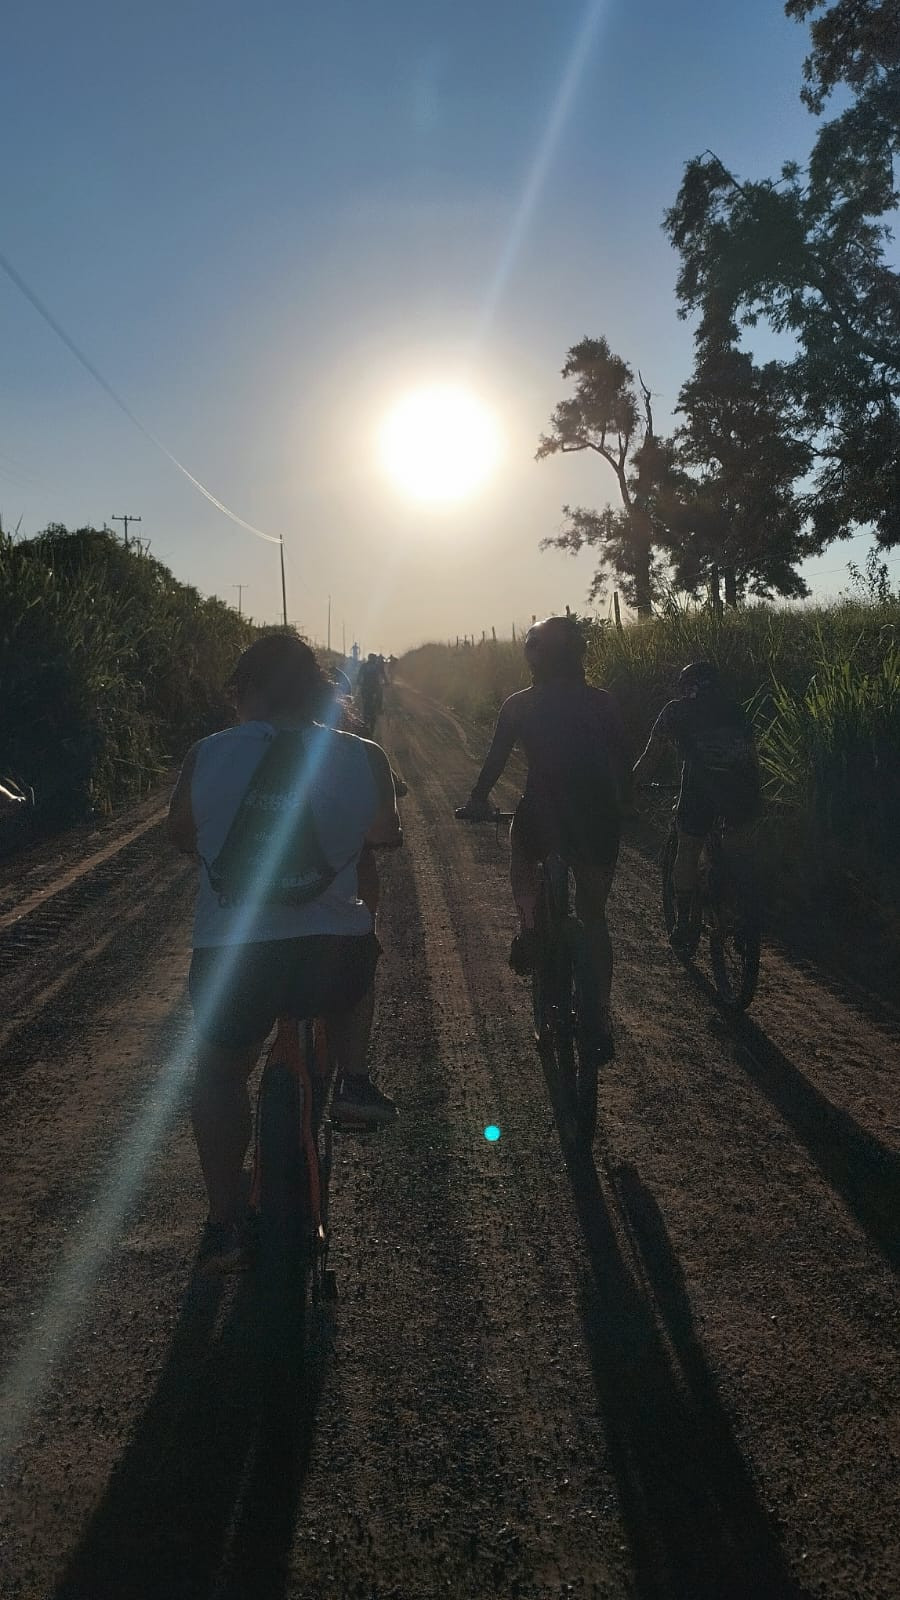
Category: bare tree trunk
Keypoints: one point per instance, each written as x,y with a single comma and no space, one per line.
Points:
642,552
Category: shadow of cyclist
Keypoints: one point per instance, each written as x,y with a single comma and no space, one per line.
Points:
205,1497
863,1171
695,1525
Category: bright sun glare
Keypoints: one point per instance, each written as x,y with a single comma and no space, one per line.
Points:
439,444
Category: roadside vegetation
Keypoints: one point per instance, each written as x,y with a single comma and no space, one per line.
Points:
823,687
109,668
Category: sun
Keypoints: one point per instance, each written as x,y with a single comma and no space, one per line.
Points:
439,444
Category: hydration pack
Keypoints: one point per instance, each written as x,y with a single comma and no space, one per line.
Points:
272,854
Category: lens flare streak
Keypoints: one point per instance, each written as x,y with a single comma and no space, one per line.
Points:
545,154
68,1300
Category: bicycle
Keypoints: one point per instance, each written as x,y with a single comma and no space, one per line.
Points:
292,1160
565,1010
724,909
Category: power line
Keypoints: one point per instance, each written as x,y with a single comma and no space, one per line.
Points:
98,377
830,571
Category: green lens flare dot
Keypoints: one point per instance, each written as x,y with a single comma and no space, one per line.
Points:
492,1133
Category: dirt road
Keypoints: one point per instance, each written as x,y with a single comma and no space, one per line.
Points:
667,1371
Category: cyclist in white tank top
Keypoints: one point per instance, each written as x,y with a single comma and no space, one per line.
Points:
252,965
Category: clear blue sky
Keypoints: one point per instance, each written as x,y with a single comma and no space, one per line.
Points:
262,223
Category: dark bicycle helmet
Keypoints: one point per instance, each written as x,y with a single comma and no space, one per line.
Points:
555,648
697,676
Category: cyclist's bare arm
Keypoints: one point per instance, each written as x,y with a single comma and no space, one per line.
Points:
181,825
652,756
505,736
385,832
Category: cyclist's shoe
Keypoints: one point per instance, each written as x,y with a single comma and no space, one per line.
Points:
222,1249
359,1103
522,953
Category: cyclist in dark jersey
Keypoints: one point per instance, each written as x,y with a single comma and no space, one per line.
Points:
713,738
370,683
574,741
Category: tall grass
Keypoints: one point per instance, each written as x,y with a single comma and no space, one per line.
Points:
108,668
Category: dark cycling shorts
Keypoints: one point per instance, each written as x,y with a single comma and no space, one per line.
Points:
238,991
698,808
590,836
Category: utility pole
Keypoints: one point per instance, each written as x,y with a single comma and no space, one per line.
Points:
329,622
283,588
344,640
240,589
125,521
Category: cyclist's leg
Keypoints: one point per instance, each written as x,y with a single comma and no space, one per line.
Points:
593,881
347,1002
525,855
348,1036
526,851
222,1124
694,816
234,1009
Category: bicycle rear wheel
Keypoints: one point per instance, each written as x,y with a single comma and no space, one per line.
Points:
734,943
282,1245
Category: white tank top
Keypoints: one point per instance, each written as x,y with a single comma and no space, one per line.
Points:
344,803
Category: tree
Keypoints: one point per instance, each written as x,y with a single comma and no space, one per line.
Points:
806,254
736,512
605,415
856,42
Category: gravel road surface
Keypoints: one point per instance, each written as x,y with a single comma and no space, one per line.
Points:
667,1370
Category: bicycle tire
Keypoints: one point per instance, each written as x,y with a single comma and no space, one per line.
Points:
734,954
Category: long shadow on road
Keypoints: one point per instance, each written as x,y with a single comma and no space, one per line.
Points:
695,1525
863,1171
203,1501
693,1519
